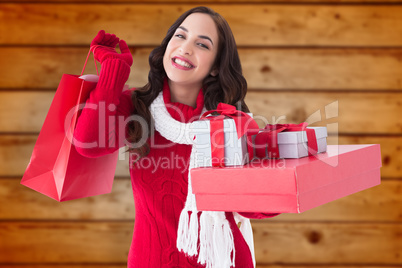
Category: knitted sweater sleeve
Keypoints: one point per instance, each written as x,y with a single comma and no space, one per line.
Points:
101,126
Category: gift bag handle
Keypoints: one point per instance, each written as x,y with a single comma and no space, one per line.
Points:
91,49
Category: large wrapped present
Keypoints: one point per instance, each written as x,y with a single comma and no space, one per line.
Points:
288,185
222,140
290,141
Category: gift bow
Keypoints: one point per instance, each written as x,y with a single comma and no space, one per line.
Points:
243,122
267,138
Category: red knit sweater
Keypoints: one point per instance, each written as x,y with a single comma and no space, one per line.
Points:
159,180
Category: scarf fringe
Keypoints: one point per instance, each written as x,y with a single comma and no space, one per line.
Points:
187,235
223,244
206,254
193,234
183,230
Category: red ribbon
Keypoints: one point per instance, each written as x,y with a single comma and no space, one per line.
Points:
267,139
243,123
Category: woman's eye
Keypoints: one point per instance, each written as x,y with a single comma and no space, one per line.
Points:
179,35
203,46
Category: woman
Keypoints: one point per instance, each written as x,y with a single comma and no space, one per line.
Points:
196,66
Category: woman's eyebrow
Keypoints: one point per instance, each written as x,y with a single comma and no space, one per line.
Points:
200,36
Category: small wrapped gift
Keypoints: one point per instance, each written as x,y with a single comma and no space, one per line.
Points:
290,141
288,185
222,140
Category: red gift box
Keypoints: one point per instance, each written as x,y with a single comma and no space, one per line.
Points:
288,185
222,140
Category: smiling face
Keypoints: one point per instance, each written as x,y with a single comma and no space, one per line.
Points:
191,52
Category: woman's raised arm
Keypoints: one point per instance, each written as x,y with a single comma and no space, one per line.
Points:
101,126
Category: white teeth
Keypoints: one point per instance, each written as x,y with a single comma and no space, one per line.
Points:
182,63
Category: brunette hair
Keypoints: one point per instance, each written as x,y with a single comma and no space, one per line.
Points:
229,86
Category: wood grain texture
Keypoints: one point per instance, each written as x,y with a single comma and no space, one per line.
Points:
65,242
391,150
321,243
378,204
322,69
318,25
264,68
224,1
23,111
354,112
285,243
348,112
26,204
16,151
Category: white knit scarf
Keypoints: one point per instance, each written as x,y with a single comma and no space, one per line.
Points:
216,248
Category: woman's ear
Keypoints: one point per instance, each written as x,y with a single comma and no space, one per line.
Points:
214,72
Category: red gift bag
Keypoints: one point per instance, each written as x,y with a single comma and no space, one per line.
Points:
56,169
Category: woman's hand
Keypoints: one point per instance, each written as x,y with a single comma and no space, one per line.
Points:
104,47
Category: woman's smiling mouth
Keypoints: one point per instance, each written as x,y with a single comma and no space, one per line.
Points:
182,63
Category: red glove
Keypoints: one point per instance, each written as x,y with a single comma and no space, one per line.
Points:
104,47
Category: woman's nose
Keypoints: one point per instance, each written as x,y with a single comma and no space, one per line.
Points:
186,49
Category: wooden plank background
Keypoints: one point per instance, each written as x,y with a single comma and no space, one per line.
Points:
336,63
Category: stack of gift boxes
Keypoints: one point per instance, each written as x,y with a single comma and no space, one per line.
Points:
283,168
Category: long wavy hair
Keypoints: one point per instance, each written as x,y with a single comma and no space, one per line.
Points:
229,86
